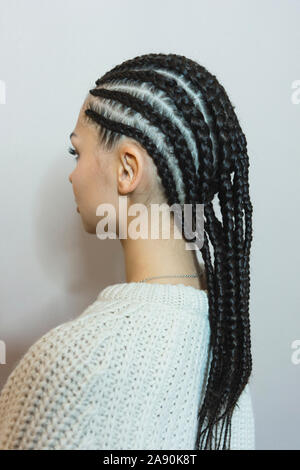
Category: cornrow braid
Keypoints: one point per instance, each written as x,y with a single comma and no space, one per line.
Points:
182,116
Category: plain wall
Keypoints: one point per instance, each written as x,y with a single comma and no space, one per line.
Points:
51,53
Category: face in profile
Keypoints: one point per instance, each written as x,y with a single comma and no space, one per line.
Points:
92,179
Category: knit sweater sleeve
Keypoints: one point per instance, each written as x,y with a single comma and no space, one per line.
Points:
52,387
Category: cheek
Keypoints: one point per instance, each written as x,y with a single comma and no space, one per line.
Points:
105,183
92,184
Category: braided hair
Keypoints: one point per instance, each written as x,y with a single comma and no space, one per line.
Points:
182,116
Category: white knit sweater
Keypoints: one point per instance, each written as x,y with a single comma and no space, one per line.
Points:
128,373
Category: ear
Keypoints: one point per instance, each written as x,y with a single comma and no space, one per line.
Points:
129,170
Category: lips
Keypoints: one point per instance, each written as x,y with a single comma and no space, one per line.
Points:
78,209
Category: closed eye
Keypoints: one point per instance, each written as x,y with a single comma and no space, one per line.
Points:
73,152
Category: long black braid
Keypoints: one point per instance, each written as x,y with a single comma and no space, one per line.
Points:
182,116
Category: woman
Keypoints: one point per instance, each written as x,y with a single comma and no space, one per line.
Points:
163,360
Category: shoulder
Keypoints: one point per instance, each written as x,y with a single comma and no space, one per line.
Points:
56,371
70,342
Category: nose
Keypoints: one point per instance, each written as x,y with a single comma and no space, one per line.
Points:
70,178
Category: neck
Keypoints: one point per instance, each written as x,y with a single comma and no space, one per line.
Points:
161,257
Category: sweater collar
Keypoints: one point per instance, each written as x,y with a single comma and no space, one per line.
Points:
177,295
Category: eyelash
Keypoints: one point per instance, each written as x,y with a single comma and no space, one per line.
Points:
73,152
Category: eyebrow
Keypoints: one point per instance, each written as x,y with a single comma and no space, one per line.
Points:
73,134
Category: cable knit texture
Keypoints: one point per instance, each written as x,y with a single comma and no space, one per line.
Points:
128,373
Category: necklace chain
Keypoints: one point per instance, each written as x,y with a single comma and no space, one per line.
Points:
175,275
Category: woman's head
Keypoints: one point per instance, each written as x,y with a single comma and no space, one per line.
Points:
180,118
105,172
